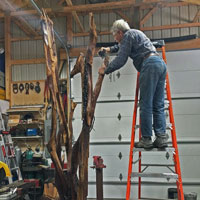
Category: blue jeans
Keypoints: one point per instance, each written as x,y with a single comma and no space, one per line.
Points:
152,96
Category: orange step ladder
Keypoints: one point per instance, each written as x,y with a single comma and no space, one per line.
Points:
174,148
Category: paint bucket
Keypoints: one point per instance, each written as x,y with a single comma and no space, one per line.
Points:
172,193
190,196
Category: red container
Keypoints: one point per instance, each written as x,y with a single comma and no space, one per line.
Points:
36,181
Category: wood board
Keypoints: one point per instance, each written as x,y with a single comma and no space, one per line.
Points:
28,97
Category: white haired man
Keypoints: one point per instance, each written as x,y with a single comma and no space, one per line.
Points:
136,45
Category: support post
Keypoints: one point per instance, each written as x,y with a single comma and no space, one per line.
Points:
98,165
7,37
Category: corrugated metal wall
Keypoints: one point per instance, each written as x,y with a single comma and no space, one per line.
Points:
170,16
33,49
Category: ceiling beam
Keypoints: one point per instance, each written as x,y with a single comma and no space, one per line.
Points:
186,25
81,8
183,45
151,28
164,4
196,16
87,33
109,6
76,18
28,61
196,2
61,2
123,16
148,15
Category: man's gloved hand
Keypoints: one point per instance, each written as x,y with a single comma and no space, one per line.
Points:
102,52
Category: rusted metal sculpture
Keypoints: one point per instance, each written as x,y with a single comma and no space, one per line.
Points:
71,185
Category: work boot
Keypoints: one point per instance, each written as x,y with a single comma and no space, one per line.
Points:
161,141
144,142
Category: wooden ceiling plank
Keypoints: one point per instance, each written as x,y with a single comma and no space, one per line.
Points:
183,45
109,6
123,16
80,8
186,25
76,18
164,4
28,61
196,16
148,15
87,33
26,38
196,2
61,2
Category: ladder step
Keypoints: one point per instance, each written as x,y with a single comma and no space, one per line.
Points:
168,126
167,149
154,175
149,199
15,168
11,156
157,165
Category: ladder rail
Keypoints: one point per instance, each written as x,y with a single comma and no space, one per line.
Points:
132,140
9,155
140,166
173,134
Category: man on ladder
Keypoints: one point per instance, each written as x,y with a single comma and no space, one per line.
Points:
135,44
151,78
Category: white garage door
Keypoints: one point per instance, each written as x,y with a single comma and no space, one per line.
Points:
113,119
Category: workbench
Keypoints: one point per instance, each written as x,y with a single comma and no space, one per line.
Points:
22,188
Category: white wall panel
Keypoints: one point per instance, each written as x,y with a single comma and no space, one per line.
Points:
184,71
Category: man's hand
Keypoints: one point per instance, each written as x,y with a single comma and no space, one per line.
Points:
102,52
106,49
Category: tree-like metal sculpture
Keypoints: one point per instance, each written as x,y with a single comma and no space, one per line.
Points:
72,184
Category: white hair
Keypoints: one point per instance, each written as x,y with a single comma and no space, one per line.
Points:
120,25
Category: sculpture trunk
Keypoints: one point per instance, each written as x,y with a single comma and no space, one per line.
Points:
69,185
